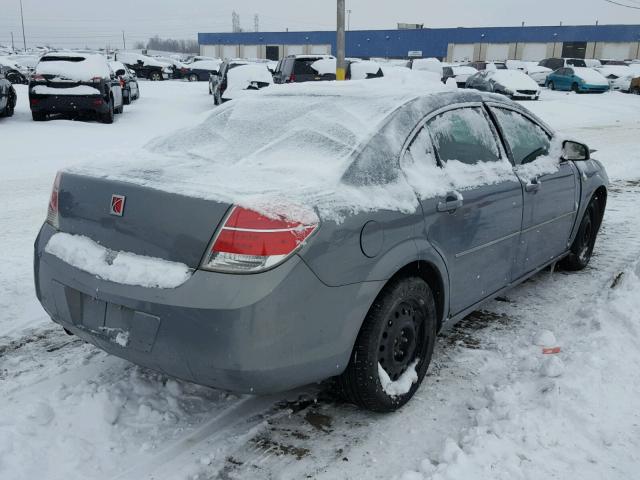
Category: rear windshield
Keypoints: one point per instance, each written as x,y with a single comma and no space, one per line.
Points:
576,62
303,66
51,58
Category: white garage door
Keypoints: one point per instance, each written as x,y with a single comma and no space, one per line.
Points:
208,50
532,52
250,51
230,51
294,49
462,53
320,49
496,51
615,51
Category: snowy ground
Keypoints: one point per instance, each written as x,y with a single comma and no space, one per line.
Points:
492,407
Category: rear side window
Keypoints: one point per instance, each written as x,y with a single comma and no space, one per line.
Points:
51,58
303,67
464,135
527,140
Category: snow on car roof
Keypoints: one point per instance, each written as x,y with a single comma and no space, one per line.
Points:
74,66
287,144
513,78
590,75
206,64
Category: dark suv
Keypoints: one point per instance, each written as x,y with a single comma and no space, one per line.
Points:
7,95
74,83
298,68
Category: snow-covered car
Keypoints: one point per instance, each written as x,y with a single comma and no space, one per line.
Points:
145,66
314,231
246,79
619,76
179,70
480,66
556,63
512,83
74,83
427,65
459,73
305,68
128,81
363,70
202,70
13,72
218,82
8,96
578,79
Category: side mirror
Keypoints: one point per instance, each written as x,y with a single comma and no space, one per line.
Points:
575,151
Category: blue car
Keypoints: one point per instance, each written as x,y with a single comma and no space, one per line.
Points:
577,79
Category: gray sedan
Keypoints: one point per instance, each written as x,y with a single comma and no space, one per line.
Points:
254,302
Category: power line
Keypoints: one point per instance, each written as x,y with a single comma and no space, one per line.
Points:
623,5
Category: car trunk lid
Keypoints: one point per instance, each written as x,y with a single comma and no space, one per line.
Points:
147,222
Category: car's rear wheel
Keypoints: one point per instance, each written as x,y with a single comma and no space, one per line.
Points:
551,86
217,100
582,248
575,88
9,109
155,76
38,116
193,77
126,97
109,115
398,334
636,90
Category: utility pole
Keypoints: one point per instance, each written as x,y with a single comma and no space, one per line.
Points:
349,20
256,23
24,38
340,43
13,45
124,42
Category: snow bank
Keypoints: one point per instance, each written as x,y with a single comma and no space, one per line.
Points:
73,66
120,267
79,90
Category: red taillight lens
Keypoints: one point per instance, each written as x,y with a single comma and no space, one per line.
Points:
38,78
291,79
249,242
52,211
123,84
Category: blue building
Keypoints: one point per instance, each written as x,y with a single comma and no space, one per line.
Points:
619,42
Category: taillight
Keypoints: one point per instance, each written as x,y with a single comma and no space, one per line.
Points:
122,83
38,78
249,242
291,79
52,211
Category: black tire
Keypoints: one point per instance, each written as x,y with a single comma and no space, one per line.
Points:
15,78
193,77
38,116
636,90
216,98
575,88
585,240
155,76
10,108
399,329
551,86
109,116
126,99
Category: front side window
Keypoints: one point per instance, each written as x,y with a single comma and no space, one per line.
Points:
464,135
527,140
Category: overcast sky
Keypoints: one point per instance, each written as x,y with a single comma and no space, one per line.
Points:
79,23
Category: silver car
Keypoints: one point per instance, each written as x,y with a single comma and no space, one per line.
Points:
255,302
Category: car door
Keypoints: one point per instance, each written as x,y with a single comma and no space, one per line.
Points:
474,223
549,186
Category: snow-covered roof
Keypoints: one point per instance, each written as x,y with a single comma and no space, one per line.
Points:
206,65
74,66
514,79
589,75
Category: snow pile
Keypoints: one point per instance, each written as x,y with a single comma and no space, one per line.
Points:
427,64
120,267
400,386
569,418
74,66
325,66
241,77
590,76
78,90
365,69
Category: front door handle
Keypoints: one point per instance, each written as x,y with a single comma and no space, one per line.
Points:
533,185
451,202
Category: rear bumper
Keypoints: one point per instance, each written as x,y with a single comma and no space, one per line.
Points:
67,103
246,333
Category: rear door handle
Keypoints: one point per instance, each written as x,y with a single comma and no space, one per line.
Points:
452,201
533,185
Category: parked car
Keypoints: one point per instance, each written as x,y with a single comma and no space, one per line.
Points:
179,70
128,82
144,66
512,83
619,76
556,63
218,82
488,65
70,82
363,70
459,73
246,79
202,70
578,79
299,68
319,282
8,96
13,72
